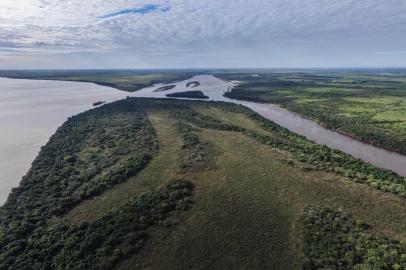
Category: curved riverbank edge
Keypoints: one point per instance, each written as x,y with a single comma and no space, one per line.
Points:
325,126
310,129
215,88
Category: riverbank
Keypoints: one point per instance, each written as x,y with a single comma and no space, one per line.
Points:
30,112
214,88
33,109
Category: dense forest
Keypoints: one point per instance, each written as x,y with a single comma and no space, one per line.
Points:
335,240
89,154
95,151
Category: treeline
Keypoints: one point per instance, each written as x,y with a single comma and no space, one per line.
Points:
325,158
335,240
331,113
87,155
95,150
257,96
101,244
362,127
319,156
196,155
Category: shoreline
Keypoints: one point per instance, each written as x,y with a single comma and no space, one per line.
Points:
211,86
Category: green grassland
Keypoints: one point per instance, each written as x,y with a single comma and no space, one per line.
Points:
219,188
127,80
368,106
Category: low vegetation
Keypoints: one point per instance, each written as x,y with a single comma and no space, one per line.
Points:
252,182
89,154
196,154
103,243
370,107
335,240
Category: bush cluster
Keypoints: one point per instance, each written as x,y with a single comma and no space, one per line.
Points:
88,154
335,240
196,154
101,244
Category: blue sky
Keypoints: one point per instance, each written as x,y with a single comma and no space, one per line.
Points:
202,33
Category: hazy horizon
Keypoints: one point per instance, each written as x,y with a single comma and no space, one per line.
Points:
167,34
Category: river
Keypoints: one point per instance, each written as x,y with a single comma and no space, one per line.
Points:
214,88
31,111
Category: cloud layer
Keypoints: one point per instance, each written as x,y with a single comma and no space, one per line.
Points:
182,29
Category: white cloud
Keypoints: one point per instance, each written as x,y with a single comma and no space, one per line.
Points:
77,25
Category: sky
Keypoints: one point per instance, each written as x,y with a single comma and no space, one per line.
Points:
71,34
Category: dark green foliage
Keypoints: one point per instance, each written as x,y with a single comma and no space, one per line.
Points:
103,243
319,156
189,115
189,94
95,150
196,155
334,240
323,157
90,153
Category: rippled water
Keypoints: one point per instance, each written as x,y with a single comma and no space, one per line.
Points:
31,111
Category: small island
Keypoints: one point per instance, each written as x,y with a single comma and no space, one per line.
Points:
193,84
189,94
98,103
165,88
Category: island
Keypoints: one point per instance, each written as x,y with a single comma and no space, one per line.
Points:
188,94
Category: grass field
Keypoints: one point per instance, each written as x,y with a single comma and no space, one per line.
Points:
368,106
250,199
247,210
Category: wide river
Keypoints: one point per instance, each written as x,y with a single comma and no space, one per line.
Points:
31,111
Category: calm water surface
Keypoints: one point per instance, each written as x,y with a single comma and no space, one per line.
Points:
31,111
214,88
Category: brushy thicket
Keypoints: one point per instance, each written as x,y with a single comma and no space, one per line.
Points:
101,244
319,156
95,150
335,240
196,154
90,153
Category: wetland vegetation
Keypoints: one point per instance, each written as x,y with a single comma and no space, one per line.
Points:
366,105
113,189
